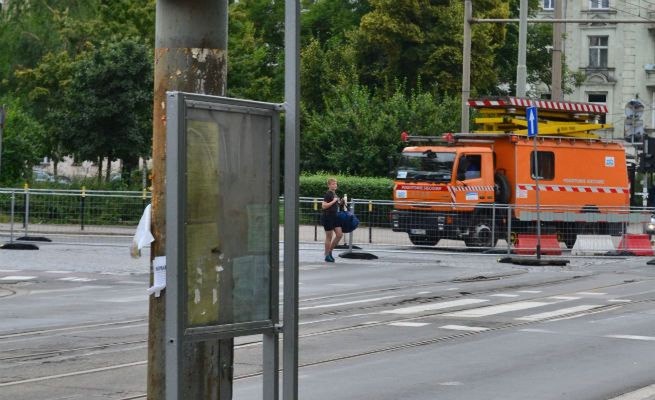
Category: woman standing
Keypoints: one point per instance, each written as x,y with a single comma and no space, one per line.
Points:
330,206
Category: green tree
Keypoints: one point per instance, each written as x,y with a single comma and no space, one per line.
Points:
359,130
20,144
422,40
325,20
110,103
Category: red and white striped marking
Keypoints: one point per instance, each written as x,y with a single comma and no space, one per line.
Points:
575,189
542,104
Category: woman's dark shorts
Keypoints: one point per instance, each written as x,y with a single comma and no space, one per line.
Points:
329,222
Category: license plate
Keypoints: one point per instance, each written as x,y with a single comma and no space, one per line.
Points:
417,231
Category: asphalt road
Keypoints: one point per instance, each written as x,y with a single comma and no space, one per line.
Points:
409,325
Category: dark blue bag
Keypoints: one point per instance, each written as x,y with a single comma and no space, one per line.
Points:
348,221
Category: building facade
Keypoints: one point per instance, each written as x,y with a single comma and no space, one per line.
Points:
614,58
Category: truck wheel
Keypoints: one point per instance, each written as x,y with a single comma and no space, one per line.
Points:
420,240
481,236
501,188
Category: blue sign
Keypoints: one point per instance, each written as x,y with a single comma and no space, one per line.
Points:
531,117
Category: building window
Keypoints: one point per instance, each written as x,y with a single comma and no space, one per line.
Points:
598,98
598,51
546,165
548,4
599,4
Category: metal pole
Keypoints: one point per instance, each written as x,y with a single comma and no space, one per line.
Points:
291,183
521,68
509,229
556,85
466,65
190,56
27,209
536,180
350,235
13,207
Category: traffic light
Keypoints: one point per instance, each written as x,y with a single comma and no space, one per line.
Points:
647,156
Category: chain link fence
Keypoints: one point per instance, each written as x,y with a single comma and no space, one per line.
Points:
493,228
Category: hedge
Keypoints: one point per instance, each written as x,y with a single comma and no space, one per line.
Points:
355,186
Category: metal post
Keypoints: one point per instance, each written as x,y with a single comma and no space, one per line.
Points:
536,181
521,68
82,202
509,229
350,235
466,65
13,207
556,84
190,56
27,209
370,223
291,183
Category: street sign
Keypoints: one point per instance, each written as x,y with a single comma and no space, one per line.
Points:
531,117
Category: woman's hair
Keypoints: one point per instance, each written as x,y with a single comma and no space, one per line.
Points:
330,180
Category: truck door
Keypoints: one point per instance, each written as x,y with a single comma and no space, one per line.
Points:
471,186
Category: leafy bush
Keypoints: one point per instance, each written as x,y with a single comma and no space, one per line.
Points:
355,186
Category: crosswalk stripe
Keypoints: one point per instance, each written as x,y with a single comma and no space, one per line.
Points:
409,324
631,337
17,278
562,311
498,309
434,306
464,328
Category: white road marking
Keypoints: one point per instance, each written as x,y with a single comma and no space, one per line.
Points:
76,279
17,278
347,303
647,392
453,288
317,321
409,324
529,291
423,293
564,298
59,272
591,293
619,300
503,295
454,383
631,337
9,270
535,330
499,309
561,311
464,328
434,306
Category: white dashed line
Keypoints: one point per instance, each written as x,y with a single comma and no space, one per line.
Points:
409,324
464,328
499,309
564,298
59,272
619,300
347,303
17,278
503,295
529,291
556,313
423,293
434,306
591,293
631,337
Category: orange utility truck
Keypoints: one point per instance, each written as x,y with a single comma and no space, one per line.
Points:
459,187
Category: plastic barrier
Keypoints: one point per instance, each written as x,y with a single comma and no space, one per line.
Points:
590,245
639,245
527,244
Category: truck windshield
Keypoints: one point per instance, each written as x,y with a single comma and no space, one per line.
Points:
426,166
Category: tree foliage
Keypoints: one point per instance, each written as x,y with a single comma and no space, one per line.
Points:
109,103
82,72
21,142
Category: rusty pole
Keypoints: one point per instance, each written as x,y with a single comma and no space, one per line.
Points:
190,56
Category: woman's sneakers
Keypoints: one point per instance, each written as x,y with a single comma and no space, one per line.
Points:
329,258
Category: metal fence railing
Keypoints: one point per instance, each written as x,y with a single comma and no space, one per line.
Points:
25,212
